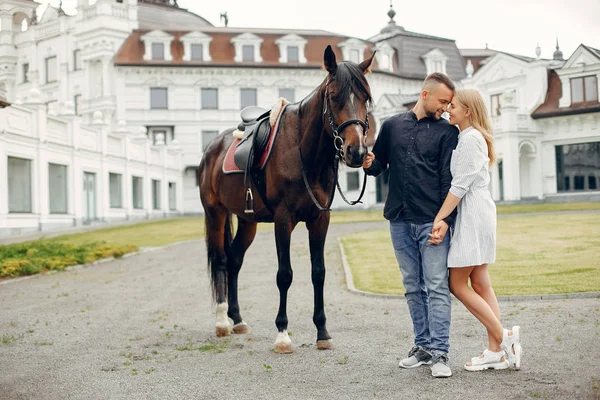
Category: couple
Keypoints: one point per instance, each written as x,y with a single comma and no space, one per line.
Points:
439,183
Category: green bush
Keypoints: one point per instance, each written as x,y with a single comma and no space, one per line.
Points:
34,257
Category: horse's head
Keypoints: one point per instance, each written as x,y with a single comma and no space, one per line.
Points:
347,98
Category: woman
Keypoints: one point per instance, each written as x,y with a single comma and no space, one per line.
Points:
473,242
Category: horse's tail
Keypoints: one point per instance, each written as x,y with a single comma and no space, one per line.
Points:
213,255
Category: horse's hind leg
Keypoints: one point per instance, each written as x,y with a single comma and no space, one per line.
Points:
218,239
244,236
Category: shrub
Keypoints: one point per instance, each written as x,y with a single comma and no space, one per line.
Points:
45,255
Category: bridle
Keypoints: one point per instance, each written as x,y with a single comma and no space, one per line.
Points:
338,143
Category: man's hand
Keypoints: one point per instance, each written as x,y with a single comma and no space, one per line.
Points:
368,160
438,232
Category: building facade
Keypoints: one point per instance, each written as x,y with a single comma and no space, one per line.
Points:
546,121
162,82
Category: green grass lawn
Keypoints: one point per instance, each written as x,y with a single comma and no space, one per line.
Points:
163,232
535,254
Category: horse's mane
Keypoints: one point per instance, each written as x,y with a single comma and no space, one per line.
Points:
350,79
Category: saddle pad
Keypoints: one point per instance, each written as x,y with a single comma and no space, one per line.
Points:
229,165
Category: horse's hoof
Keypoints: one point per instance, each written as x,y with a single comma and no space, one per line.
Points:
241,328
324,344
223,331
284,348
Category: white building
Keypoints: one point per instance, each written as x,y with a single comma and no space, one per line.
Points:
160,79
58,169
546,121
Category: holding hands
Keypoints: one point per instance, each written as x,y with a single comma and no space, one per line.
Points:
438,232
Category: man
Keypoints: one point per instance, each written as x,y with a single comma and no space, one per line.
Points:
416,147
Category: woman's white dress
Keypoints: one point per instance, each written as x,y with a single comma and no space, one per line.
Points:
474,238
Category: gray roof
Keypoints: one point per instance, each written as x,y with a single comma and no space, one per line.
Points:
399,100
270,31
153,16
411,48
490,52
592,50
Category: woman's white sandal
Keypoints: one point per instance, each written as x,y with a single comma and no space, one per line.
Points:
488,360
511,344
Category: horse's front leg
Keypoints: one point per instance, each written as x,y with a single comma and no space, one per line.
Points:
317,232
283,231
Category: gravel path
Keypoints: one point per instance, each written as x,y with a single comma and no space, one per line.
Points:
143,328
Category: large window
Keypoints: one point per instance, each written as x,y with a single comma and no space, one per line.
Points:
57,188
19,185
197,52
155,194
578,167
495,102
137,192
248,97
172,196
209,99
354,56
288,94
158,51
116,190
158,98
584,90
51,69
248,52
207,137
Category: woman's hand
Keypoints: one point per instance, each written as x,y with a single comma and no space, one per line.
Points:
438,232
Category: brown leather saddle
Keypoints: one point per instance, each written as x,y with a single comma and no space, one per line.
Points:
256,127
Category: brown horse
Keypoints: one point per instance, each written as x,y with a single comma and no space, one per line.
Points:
334,116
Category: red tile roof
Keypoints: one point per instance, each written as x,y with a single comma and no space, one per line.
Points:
222,51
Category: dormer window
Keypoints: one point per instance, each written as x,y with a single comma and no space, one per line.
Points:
158,51
584,90
353,50
435,61
196,47
248,53
157,46
291,49
384,54
197,52
247,48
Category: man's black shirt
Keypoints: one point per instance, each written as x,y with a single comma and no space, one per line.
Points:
417,153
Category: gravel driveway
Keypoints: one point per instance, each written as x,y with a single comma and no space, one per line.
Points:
143,328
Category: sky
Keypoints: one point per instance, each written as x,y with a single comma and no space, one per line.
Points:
514,26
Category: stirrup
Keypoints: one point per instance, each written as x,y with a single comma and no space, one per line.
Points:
249,202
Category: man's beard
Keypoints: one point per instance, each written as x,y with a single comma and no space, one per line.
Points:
432,115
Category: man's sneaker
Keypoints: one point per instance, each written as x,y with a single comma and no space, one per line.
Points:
416,357
440,368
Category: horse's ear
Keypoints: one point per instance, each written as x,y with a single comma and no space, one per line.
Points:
365,66
329,60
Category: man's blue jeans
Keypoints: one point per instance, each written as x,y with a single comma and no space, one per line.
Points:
425,277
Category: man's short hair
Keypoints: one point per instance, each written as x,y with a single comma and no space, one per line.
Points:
438,78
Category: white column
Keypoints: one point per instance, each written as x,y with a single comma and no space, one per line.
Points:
106,79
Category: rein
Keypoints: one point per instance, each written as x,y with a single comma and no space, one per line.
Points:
338,143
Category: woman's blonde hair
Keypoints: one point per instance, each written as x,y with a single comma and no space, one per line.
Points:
472,100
